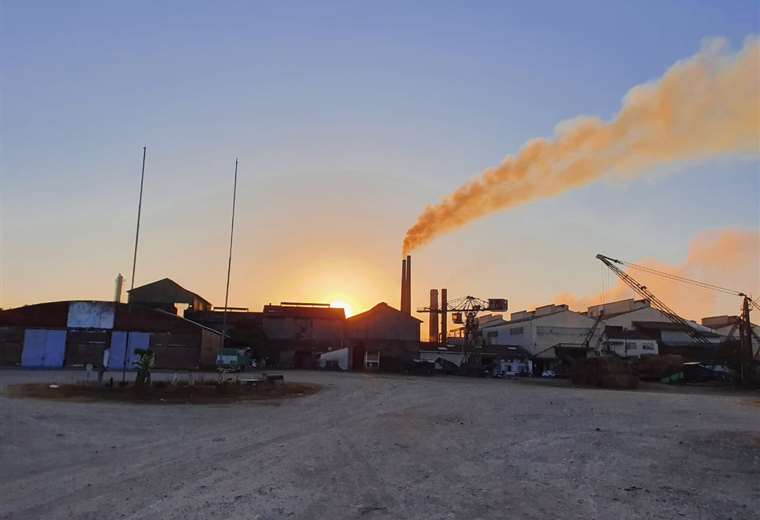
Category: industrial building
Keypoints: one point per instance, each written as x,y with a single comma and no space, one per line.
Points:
295,335
728,326
166,294
383,337
541,330
76,333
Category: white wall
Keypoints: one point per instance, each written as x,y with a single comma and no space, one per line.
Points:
543,332
633,347
645,314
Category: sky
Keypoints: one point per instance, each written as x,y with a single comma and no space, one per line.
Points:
348,119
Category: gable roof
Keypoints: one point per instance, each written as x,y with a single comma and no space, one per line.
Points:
164,290
381,308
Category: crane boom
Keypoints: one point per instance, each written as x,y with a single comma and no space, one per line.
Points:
654,301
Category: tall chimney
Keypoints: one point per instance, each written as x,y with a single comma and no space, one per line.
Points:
444,308
402,307
433,321
409,284
117,291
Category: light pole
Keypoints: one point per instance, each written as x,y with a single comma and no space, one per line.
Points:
134,265
229,261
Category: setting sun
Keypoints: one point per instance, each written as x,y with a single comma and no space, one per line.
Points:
341,304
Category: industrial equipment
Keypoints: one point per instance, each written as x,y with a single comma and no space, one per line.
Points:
745,359
465,311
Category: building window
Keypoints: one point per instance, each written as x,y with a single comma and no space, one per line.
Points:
493,334
516,331
630,345
645,346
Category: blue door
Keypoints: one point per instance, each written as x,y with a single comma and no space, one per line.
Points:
118,341
43,348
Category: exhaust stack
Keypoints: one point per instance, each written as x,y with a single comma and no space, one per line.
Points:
402,306
409,284
117,289
433,321
444,308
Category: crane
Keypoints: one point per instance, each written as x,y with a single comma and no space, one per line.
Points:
654,301
465,311
746,333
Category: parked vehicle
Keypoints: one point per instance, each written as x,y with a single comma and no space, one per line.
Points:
234,359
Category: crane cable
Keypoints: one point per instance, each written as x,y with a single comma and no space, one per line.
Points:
683,279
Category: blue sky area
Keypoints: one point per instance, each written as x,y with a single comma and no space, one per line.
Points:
348,118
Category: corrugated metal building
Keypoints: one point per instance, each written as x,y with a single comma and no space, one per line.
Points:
76,333
382,337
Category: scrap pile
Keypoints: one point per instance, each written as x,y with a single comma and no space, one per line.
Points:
655,368
606,372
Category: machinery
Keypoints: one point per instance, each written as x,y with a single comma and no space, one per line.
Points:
464,311
745,361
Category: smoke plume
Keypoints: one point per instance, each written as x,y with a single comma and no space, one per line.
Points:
704,106
727,257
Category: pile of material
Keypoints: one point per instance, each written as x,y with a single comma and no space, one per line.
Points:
655,368
605,372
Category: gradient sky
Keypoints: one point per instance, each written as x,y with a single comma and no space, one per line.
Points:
348,119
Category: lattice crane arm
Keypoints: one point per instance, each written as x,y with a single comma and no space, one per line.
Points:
645,293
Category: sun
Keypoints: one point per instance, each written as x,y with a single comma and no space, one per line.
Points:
343,305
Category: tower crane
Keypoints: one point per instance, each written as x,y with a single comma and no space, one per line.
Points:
465,311
745,355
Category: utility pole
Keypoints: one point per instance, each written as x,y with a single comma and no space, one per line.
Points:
229,261
134,266
746,361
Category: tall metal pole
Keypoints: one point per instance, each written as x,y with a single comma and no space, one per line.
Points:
746,361
134,266
229,260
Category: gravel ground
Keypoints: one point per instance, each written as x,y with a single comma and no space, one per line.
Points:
385,447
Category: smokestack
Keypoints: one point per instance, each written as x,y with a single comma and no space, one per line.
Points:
409,284
402,307
444,308
117,292
433,322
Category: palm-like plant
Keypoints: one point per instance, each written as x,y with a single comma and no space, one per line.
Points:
143,364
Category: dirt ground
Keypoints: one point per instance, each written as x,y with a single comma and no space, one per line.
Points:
385,447
161,393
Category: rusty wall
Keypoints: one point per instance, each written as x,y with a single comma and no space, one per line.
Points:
11,345
86,346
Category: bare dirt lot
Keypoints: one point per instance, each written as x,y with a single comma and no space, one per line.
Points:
385,447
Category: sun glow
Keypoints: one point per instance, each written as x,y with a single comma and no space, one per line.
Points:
341,304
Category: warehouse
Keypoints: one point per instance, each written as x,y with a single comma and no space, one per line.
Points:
76,333
540,330
383,337
166,294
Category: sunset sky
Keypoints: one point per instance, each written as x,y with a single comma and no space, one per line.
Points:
348,120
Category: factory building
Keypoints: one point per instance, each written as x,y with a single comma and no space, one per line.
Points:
382,337
165,294
541,330
640,316
76,334
728,326
296,335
